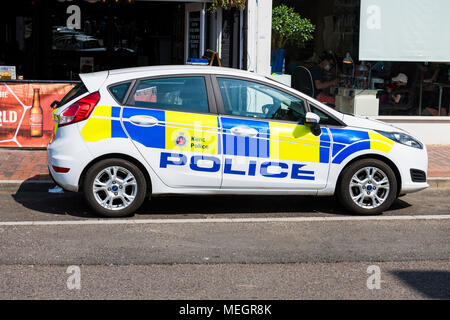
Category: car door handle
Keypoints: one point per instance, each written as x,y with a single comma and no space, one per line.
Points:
244,131
144,121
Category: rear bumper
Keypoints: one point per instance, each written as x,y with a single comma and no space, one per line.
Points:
62,179
52,172
67,151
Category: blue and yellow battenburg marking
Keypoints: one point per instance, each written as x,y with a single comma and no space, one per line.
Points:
347,142
180,131
176,131
275,140
103,123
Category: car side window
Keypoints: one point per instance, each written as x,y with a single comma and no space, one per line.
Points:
119,90
177,94
325,119
252,99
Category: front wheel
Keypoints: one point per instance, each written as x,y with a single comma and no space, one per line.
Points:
114,188
367,187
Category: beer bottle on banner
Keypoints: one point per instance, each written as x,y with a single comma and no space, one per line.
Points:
36,116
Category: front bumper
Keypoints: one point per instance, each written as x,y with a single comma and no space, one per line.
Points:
408,161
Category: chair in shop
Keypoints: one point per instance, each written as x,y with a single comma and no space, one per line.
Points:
302,81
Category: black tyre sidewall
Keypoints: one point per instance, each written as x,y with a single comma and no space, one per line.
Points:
88,188
343,193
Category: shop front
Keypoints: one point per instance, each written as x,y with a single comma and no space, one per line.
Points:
58,39
378,58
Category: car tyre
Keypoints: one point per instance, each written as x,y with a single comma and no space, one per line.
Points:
114,188
367,187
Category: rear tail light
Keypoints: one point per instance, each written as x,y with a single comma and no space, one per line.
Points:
79,111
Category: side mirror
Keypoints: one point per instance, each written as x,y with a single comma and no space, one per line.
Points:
313,120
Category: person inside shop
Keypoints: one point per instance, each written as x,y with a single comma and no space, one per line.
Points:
435,73
317,72
394,95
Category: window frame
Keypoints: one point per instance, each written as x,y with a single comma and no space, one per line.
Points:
212,107
221,106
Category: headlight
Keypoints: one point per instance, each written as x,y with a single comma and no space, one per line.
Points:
402,138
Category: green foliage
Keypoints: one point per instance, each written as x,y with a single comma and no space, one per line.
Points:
289,26
227,4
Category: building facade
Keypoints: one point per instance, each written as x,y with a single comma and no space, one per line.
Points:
58,39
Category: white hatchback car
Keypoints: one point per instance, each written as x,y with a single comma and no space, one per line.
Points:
123,135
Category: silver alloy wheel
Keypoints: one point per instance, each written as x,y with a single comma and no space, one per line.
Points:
369,187
115,188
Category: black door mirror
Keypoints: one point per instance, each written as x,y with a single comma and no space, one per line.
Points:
313,121
316,129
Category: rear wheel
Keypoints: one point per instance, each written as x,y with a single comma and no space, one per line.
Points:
367,187
114,187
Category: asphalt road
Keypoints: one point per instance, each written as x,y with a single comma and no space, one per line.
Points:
201,248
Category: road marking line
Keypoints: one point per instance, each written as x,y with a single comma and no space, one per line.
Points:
221,220
8,182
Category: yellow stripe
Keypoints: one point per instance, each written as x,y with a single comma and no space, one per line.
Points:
380,142
293,142
55,119
98,129
102,111
55,128
200,132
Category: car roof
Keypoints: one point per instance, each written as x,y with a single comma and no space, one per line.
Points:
183,69
95,80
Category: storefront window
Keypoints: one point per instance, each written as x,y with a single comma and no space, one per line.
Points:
370,88
58,39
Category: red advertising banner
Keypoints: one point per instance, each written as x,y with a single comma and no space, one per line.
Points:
25,113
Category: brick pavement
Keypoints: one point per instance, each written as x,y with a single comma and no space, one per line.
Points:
23,165
439,161
31,164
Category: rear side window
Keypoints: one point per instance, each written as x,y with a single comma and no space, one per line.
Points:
178,94
75,92
119,91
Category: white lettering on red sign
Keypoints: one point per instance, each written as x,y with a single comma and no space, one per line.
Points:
8,117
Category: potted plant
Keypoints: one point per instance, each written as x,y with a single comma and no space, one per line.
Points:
288,27
227,4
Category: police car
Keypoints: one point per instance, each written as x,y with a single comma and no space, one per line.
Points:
124,135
